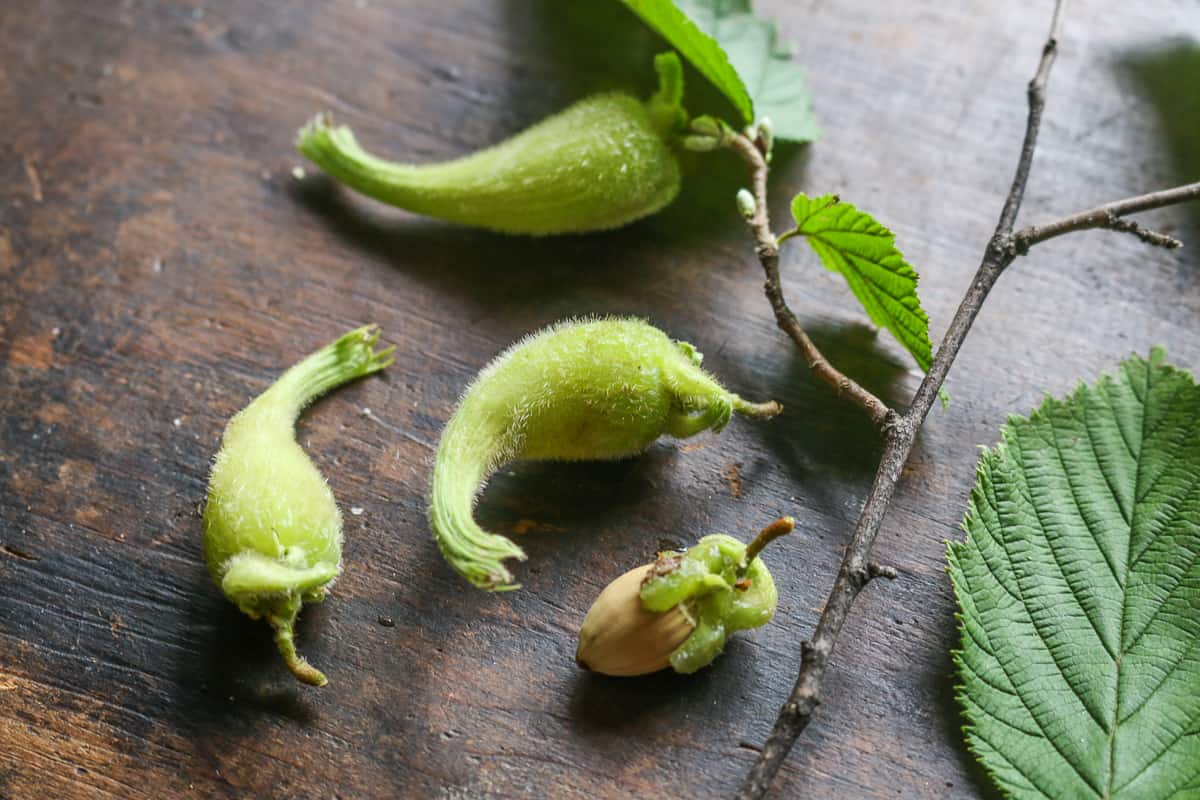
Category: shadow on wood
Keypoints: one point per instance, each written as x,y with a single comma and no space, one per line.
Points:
943,685
242,674
1168,76
484,268
817,430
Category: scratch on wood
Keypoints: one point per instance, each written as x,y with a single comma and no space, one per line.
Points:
733,477
35,183
524,526
16,552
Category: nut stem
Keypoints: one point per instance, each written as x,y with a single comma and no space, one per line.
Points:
284,640
779,527
758,410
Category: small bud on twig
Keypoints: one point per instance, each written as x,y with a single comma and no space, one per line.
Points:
707,133
766,137
709,126
700,144
745,203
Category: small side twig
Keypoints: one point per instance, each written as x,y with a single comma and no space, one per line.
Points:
1148,236
767,248
877,570
35,182
1111,216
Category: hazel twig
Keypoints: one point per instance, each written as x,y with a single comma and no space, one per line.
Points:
753,151
857,570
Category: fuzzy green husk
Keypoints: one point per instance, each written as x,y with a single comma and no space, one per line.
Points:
597,389
272,530
705,583
601,163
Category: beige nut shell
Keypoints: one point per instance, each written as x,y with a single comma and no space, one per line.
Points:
619,637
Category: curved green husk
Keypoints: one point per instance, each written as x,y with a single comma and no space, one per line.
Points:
603,162
718,591
272,530
578,390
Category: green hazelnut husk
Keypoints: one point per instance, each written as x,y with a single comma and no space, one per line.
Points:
272,530
679,611
579,390
601,163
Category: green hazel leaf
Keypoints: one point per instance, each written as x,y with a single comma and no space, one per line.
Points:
1079,587
777,85
698,47
851,242
741,56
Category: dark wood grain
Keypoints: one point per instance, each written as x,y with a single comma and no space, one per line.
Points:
159,266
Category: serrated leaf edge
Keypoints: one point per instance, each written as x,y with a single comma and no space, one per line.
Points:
777,50
1156,359
874,228
744,104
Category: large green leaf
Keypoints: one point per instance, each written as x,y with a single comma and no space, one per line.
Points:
1079,586
741,56
851,242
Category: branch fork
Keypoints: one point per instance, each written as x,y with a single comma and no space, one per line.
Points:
899,429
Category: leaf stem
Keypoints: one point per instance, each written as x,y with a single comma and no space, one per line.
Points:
783,237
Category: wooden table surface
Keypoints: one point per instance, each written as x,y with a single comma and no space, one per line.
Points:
159,266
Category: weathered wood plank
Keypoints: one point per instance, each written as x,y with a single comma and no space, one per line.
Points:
159,266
